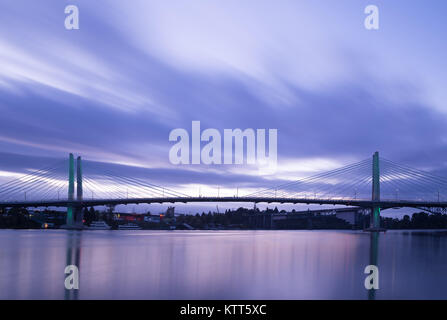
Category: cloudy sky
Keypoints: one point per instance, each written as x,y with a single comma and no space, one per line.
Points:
114,89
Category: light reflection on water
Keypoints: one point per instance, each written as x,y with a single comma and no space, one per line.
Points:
222,265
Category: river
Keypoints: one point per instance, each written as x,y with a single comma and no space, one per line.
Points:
222,264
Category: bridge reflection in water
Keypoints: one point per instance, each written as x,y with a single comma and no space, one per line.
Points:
223,264
74,246
73,258
373,259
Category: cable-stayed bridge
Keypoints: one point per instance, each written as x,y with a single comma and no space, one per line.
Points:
376,184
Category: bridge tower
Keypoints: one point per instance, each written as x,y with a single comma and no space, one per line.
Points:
79,215
74,213
375,210
79,179
70,189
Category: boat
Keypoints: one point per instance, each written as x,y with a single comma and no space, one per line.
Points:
129,226
99,225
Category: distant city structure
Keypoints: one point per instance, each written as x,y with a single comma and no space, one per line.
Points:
170,212
342,217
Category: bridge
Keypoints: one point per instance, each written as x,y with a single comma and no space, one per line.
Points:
375,184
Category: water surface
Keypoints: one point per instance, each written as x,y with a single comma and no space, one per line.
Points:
222,264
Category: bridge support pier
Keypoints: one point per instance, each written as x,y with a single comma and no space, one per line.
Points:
375,218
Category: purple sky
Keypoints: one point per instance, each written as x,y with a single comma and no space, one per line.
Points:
114,89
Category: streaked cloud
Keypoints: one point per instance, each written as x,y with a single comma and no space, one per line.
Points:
113,90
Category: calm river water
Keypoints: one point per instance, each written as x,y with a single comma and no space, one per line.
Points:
222,264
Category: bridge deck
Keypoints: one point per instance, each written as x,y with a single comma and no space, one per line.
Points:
345,202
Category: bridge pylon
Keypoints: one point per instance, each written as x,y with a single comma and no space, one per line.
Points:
79,214
375,210
69,221
74,213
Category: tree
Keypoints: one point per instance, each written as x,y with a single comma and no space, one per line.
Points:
406,222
